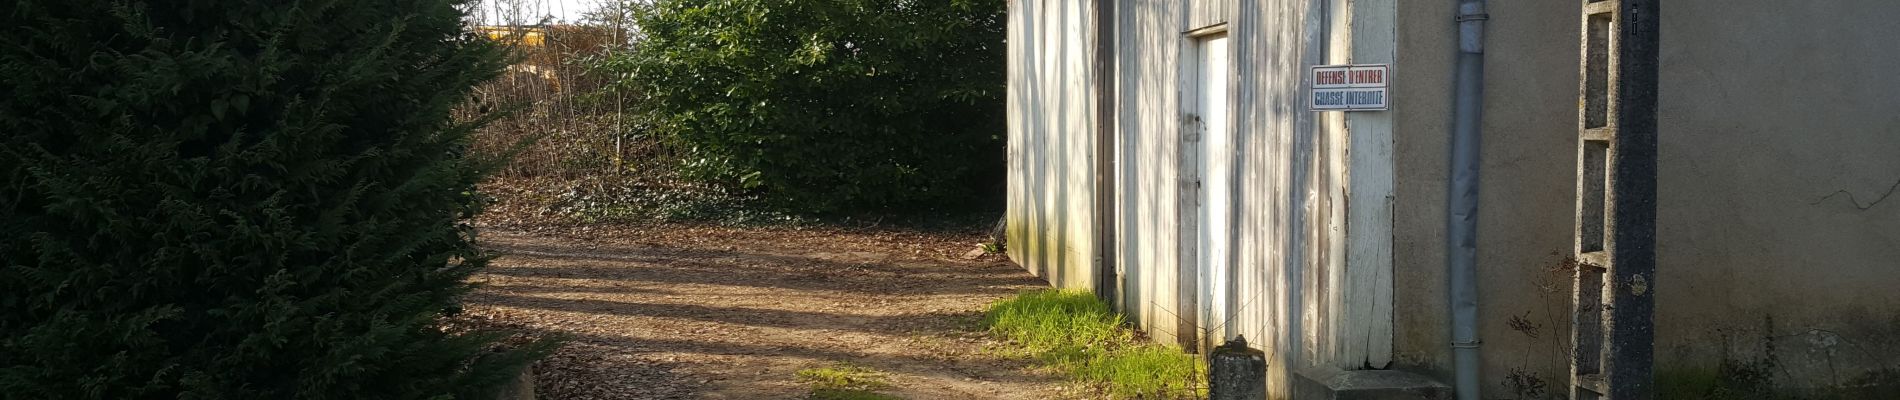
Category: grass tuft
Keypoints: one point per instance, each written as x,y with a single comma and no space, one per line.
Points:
842,394
1077,333
845,382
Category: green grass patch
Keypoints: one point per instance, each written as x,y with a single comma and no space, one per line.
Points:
845,382
1076,333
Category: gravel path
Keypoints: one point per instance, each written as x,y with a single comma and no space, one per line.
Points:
718,313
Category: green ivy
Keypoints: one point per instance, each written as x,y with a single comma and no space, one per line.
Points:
238,200
829,105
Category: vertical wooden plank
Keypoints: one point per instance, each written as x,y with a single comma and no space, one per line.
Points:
1300,35
1150,120
1342,324
1248,276
1348,317
1161,133
1205,13
1107,276
1012,143
1338,330
1372,180
1184,129
1198,15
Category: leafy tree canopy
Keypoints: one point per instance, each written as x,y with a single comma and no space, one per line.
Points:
829,105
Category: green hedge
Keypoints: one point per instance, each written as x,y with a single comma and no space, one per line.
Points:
829,105
237,200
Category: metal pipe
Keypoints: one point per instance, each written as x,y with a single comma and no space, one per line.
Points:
1462,209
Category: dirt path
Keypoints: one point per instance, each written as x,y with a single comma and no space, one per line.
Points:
700,312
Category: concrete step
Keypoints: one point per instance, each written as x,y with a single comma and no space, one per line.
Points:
1328,383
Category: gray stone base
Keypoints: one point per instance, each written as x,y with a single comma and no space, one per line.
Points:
1328,383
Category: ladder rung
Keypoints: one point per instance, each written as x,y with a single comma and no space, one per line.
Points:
1596,260
1599,134
1593,383
1599,7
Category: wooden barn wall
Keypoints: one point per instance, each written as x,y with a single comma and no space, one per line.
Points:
1148,44
1302,289
1052,114
1202,13
1351,300
1278,198
1275,138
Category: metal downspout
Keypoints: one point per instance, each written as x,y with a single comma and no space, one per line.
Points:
1462,209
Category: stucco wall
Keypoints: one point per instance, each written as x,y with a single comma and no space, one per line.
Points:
1778,126
1051,140
1421,110
1526,206
1765,112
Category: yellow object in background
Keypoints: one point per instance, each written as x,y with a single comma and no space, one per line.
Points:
516,35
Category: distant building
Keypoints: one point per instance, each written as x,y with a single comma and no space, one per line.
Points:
1165,154
547,55
528,36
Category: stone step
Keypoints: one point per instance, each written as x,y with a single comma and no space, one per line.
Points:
1328,383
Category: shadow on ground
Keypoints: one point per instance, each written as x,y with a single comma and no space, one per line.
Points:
704,312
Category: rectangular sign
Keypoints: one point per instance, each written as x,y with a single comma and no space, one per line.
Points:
1359,87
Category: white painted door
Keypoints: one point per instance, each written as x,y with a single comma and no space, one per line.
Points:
1216,171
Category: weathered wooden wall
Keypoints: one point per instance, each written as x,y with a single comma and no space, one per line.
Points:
1051,143
1205,13
1148,115
1359,148
1302,288
1295,269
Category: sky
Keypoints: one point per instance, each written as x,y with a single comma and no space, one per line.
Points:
532,10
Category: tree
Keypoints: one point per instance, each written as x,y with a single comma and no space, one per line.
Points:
238,200
829,105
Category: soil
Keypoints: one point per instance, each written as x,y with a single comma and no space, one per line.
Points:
672,311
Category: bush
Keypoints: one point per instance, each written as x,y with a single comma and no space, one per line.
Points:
829,105
238,200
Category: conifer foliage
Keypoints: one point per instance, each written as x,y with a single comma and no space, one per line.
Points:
237,200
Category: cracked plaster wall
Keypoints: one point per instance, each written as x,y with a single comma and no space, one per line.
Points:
1780,158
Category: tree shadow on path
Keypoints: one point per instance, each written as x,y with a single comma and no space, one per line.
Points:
737,314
